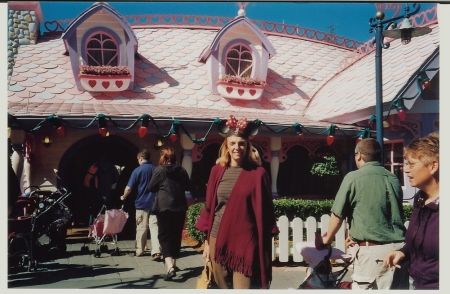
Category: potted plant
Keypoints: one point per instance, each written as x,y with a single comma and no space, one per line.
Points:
325,166
104,78
235,87
326,171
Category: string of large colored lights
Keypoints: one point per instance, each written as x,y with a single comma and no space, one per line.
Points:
59,123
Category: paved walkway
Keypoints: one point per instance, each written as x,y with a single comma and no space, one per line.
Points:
78,270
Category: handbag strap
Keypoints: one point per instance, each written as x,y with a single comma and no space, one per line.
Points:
208,267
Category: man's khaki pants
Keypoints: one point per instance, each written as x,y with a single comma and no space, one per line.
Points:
144,220
369,272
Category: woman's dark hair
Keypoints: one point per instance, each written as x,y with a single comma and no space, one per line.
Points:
167,156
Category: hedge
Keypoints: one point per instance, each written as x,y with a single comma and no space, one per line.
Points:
291,208
193,214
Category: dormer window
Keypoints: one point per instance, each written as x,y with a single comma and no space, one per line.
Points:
103,72
239,61
101,49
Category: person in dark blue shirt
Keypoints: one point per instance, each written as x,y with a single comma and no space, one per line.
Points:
139,180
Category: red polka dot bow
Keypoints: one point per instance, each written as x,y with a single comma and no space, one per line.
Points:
238,125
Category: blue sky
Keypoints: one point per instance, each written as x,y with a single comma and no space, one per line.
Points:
349,20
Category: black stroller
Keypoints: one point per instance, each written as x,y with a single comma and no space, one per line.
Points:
37,228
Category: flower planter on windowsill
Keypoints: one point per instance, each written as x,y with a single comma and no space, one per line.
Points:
239,91
107,83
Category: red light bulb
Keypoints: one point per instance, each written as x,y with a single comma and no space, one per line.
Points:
173,137
330,139
61,131
142,131
401,114
102,132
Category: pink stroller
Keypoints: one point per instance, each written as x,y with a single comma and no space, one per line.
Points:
106,225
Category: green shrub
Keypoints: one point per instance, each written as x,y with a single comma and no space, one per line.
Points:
193,214
325,166
291,208
301,208
407,212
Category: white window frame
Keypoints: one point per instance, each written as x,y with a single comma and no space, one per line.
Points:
392,164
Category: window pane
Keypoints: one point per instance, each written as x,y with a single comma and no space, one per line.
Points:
246,56
387,153
398,171
233,53
398,152
232,67
94,57
110,58
94,44
246,69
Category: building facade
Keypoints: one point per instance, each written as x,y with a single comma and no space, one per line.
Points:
107,85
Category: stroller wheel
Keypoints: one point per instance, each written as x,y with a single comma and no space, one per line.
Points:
24,260
32,265
84,249
97,253
62,248
104,248
53,253
116,252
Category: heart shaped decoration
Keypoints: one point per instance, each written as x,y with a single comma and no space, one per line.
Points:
252,92
92,83
52,26
105,84
240,92
229,89
119,84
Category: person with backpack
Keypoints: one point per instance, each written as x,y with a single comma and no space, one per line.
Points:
169,182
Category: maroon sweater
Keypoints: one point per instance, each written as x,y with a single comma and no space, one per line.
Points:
244,238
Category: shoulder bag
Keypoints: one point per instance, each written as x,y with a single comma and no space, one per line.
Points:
205,280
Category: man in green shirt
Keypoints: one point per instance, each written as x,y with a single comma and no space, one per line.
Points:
371,200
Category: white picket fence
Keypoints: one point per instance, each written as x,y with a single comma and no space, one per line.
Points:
286,248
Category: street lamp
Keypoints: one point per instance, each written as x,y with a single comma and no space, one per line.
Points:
387,28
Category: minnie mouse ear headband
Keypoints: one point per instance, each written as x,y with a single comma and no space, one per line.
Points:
234,127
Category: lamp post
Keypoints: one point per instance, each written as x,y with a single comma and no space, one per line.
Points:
387,28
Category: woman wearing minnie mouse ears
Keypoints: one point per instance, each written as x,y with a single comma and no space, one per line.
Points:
238,218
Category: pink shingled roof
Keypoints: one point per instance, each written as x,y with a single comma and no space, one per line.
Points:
170,82
348,94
